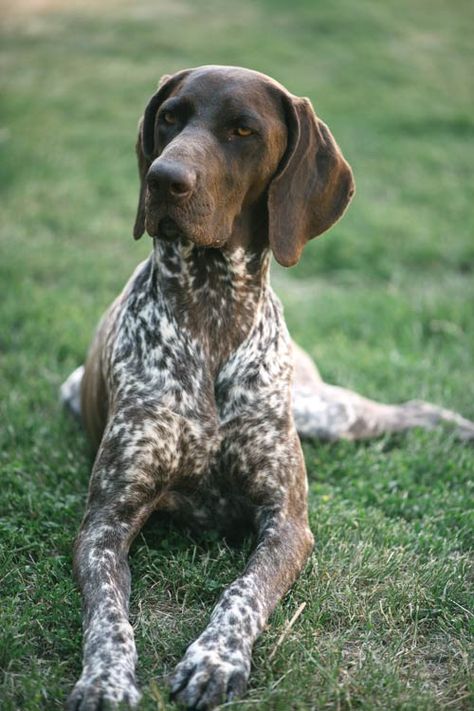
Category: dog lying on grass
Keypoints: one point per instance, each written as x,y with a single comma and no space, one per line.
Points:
193,392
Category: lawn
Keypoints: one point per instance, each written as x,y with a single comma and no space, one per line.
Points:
384,302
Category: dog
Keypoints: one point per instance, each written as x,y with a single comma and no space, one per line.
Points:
193,393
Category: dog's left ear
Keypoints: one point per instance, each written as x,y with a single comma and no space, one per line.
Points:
145,146
312,187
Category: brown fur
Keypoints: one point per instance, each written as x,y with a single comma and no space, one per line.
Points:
188,391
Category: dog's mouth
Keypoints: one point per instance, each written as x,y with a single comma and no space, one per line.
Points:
165,227
169,229
194,221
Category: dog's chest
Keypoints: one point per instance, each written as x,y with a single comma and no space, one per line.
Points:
158,356
163,363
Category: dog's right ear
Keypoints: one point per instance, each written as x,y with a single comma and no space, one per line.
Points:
143,167
145,146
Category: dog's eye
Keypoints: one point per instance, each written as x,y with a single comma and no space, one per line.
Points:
169,118
243,131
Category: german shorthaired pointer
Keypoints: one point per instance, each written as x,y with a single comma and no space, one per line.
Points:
188,390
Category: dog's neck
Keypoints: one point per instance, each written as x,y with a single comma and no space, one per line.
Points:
215,294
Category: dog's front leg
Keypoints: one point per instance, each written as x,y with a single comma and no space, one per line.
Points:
121,496
216,666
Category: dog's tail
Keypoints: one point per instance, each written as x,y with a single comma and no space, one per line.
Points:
70,392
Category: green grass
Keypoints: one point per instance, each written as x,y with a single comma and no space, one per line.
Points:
384,303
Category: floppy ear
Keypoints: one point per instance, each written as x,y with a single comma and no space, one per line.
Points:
143,167
312,187
145,147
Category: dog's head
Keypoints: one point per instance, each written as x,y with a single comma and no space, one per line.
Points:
218,144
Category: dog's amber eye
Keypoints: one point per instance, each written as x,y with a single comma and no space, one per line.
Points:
243,131
169,118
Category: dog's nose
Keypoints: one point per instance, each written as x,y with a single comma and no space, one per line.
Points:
172,180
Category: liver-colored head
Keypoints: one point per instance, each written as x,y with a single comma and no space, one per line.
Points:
217,145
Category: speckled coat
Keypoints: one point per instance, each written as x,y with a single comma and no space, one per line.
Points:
188,390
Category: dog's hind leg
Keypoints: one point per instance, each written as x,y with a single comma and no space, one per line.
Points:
329,412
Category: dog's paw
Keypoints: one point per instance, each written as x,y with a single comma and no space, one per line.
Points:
424,414
204,679
104,692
